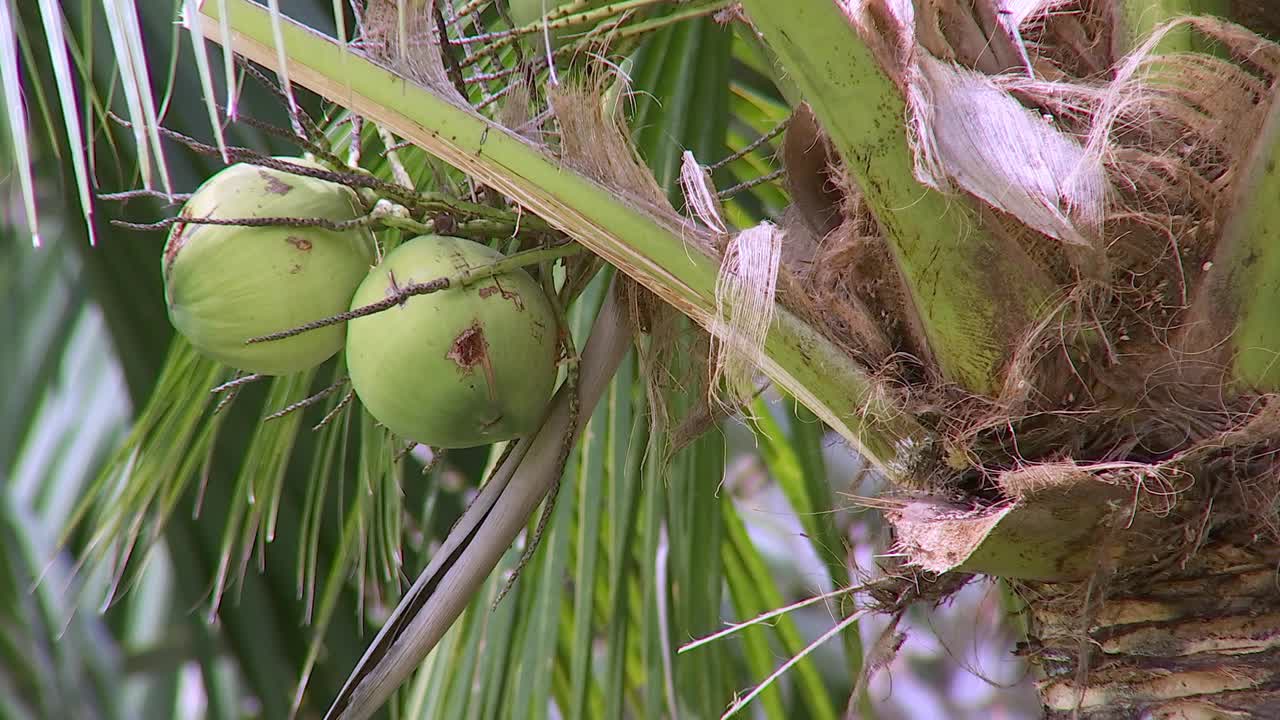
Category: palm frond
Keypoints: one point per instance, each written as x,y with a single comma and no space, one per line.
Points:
56,42
11,86
66,409
135,78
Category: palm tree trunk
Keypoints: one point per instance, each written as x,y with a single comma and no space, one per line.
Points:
1192,637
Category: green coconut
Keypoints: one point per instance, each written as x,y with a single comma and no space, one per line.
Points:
461,367
225,284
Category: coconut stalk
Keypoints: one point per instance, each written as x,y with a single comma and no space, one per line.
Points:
638,241
1242,287
951,264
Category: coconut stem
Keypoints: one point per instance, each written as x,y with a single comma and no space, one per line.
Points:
353,178
306,144
232,389
171,198
308,123
560,18
337,409
403,452
771,134
307,402
468,8
253,157
299,222
404,292
479,229
235,383
437,456
748,184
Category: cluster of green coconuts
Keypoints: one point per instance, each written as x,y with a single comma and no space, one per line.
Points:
461,367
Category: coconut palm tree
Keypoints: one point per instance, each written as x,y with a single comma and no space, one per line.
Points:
1016,254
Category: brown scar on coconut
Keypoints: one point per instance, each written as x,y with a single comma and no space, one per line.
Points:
470,349
273,184
182,233
454,325
174,245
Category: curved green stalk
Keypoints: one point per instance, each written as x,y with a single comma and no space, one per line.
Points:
1241,293
959,276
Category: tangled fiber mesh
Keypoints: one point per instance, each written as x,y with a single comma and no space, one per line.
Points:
406,38
1166,134
1114,395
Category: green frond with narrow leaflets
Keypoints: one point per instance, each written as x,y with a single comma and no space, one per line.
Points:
16,122
64,410
119,275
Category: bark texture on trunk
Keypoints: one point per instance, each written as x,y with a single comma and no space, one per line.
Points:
1194,638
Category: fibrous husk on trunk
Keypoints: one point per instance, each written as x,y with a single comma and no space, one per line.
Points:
1166,131
1118,464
